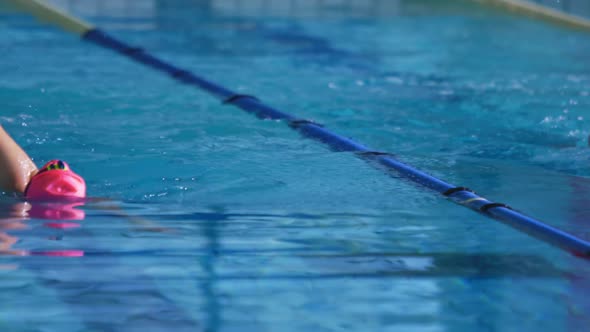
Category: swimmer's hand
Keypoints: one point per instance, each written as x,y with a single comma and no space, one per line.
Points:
148,226
6,243
141,224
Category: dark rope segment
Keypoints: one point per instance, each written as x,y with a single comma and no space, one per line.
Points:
374,153
300,122
456,190
485,208
232,99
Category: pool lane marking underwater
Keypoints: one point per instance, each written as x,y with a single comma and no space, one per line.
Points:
542,12
461,195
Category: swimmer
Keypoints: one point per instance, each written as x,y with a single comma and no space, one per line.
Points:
19,174
51,192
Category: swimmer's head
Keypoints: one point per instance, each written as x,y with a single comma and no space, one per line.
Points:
56,180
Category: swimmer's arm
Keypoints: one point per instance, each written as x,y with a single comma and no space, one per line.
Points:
141,223
6,243
16,168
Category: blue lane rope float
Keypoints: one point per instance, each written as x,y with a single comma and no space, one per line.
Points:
251,104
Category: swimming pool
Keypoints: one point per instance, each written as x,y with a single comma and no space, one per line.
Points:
273,232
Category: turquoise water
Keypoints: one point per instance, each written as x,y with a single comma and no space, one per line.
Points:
265,230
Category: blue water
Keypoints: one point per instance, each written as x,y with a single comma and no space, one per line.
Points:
237,224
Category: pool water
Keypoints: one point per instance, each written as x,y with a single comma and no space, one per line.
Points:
218,221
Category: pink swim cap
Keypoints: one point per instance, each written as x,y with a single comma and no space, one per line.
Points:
55,180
